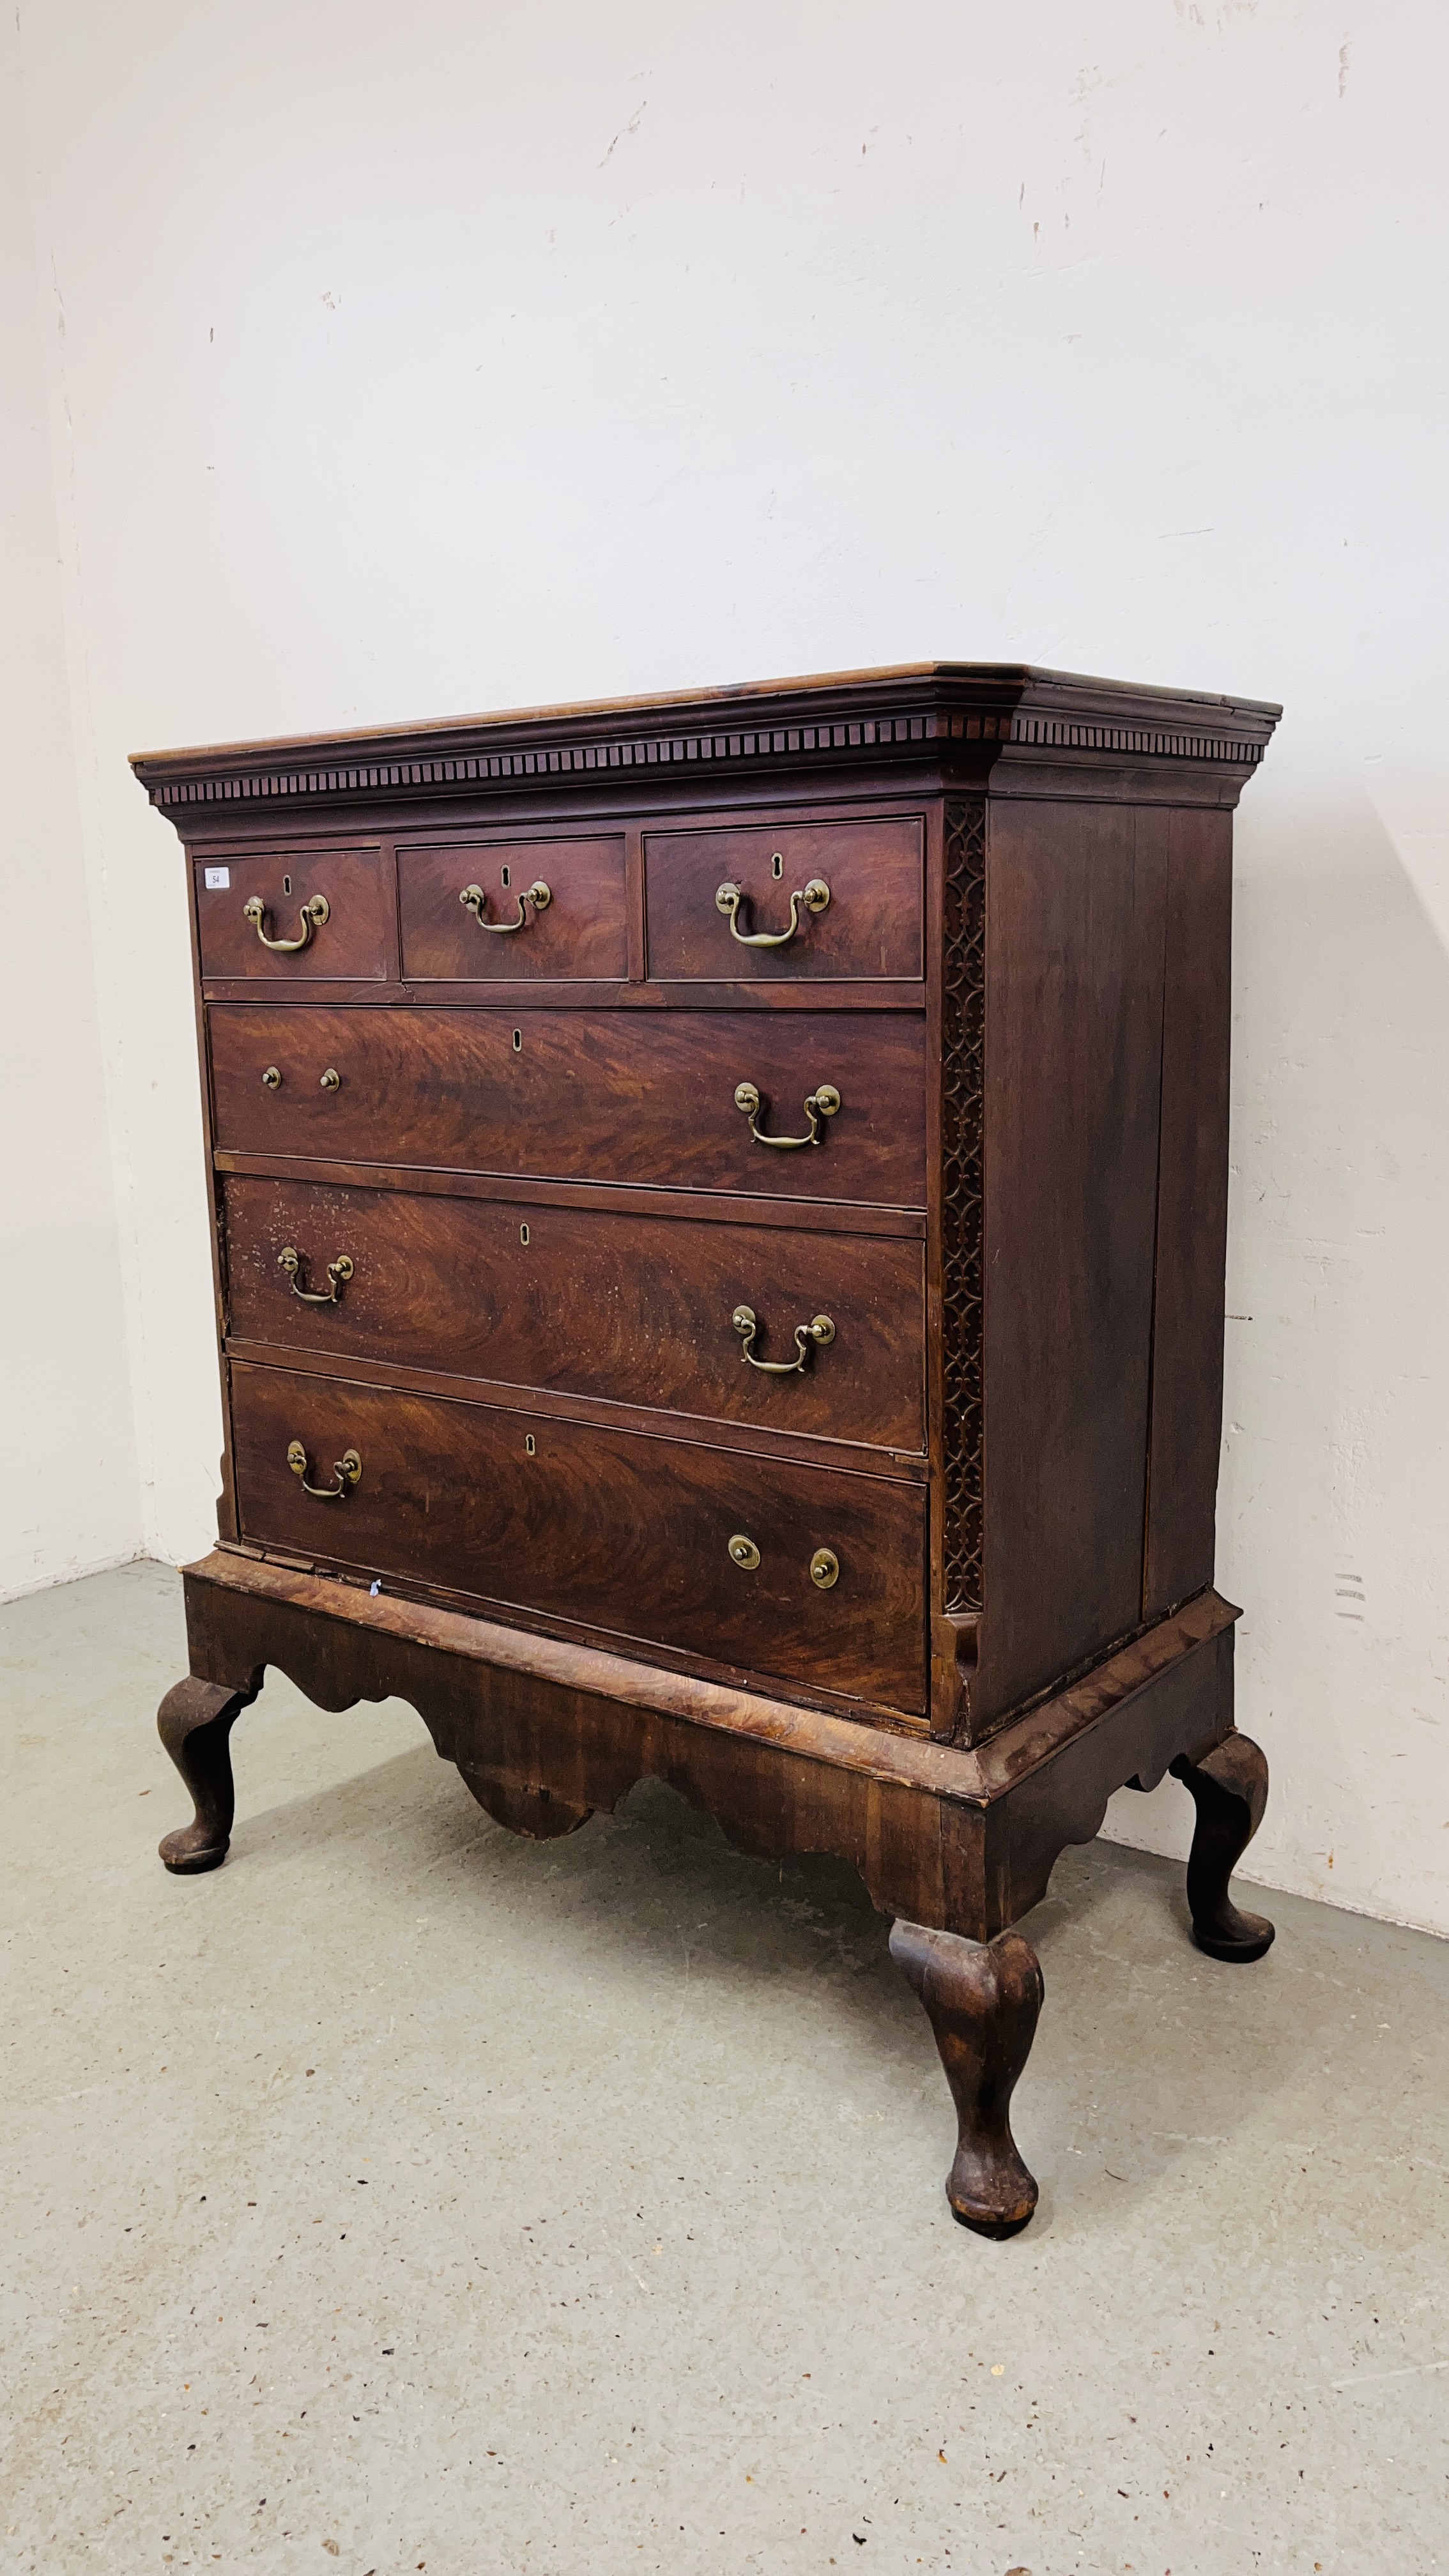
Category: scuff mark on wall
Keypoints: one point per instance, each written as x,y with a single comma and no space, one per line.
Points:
631,128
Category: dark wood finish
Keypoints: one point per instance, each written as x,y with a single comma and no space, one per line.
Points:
1032,731
804,1449
871,927
1073,1013
226,1499
582,932
1229,1789
633,1309
535,1813
623,1534
528,1711
610,1198
1190,1704
1020,989
983,2004
758,1002
354,942
1192,1212
194,1722
607,1098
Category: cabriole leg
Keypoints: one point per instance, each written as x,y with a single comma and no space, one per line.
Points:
982,2000
1229,1789
194,1722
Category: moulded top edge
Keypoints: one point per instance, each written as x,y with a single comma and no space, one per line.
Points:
844,694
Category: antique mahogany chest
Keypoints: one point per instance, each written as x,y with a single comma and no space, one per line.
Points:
719,1207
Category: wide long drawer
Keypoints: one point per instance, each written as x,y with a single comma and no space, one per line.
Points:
642,1097
656,1541
640,1310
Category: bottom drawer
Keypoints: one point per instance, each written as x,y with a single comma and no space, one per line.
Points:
614,1530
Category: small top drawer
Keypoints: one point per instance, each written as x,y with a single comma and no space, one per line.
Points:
787,902
294,915
514,911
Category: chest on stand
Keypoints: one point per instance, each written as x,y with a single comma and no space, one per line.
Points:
719,1213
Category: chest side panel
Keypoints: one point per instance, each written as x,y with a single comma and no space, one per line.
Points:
1075,920
963,1001
1192,1222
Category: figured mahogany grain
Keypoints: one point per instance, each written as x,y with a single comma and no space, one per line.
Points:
871,928
582,932
615,1531
600,1096
356,940
633,1309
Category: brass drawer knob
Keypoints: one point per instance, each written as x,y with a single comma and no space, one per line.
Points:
271,1079
744,1553
347,1470
473,899
314,912
331,1079
815,897
824,1569
338,1273
809,1338
821,1103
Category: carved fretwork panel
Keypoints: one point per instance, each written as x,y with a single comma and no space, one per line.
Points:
962,1034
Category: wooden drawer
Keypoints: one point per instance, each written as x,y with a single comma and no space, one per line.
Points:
575,927
617,1532
634,1309
354,942
643,1097
870,928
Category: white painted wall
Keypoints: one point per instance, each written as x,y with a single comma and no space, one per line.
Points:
461,356
68,1490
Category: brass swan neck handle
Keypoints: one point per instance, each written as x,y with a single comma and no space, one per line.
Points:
473,899
815,897
338,1273
347,1470
820,1103
809,1338
314,912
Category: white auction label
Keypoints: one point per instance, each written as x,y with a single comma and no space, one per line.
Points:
217,880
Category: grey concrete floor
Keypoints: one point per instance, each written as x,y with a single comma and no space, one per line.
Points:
407,2197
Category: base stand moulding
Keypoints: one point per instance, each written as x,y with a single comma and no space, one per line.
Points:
957,1845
